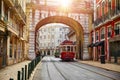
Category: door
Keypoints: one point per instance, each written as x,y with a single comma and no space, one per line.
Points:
3,43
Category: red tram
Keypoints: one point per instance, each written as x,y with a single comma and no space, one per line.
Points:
67,50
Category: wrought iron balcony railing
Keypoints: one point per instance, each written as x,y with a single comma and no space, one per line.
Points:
107,16
98,21
13,26
20,10
15,5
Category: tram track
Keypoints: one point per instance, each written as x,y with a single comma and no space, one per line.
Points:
78,65
58,70
48,71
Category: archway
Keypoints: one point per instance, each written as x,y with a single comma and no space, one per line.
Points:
76,26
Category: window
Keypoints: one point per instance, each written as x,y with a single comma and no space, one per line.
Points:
106,7
118,5
109,6
10,55
63,48
92,38
103,6
44,37
72,48
40,37
102,33
68,48
52,29
44,45
60,29
96,35
97,12
113,4
1,46
117,29
60,35
109,31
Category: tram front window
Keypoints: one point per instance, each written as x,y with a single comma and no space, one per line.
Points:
68,48
63,48
72,48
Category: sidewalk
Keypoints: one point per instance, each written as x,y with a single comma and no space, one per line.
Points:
109,66
11,71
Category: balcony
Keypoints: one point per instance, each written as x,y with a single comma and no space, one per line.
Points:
98,21
16,7
13,27
113,13
107,16
20,12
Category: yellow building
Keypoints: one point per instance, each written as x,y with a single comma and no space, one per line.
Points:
13,32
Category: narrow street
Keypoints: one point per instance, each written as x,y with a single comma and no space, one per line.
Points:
54,69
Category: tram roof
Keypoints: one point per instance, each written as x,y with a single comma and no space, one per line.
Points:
67,42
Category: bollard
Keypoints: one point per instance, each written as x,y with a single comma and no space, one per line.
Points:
22,73
29,70
18,76
11,79
25,72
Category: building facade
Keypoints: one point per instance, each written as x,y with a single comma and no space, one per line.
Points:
105,37
50,37
72,36
13,41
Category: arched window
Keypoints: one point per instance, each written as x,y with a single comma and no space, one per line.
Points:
109,31
117,29
109,6
96,35
102,33
118,5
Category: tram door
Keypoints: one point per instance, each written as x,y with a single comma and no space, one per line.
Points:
3,43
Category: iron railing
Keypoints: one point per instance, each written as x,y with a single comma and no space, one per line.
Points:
26,71
107,16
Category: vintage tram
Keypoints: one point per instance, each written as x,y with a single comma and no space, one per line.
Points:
67,50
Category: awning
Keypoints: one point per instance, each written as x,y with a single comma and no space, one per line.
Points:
99,43
91,45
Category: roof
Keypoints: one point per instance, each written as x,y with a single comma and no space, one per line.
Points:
66,42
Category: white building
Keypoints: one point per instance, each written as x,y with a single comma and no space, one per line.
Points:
50,36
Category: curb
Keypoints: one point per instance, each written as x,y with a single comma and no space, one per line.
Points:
99,67
33,73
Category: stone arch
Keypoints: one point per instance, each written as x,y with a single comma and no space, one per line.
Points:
76,26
